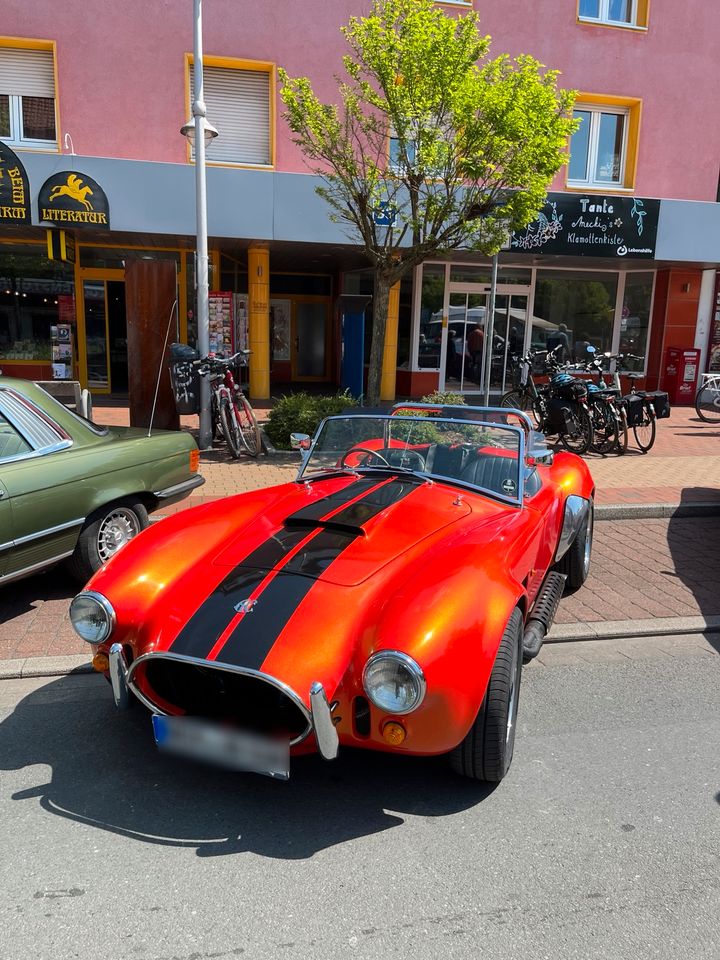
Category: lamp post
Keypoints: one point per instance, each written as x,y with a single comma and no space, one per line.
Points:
198,124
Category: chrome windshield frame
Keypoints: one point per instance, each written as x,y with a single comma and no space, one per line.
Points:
389,418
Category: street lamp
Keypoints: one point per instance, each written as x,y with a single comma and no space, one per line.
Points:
198,121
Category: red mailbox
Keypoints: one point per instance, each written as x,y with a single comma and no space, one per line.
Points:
680,375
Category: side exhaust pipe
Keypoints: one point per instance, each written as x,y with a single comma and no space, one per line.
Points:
542,614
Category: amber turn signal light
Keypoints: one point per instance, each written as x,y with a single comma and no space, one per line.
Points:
194,461
100,662
394,733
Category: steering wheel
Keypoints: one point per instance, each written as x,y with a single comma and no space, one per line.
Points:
410,459
365,450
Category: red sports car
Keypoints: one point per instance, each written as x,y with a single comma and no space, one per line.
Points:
386,599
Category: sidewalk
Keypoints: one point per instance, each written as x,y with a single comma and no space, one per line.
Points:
643,570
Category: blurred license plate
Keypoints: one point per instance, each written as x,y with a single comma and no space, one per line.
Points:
224,746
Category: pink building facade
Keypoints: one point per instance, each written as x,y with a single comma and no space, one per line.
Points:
624,256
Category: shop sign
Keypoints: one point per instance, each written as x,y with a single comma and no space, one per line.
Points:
75,200
14,188
61,245
587,225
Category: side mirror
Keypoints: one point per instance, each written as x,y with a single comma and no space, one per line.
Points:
300,441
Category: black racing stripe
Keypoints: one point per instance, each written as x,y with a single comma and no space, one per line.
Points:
202,630
254,636
320,508
375,502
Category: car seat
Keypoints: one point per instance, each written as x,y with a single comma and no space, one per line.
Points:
496,473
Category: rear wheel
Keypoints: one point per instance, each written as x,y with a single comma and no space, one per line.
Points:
520,400
644,432
230,428
575,563
580,439
249,429
487,751
105,532
707,404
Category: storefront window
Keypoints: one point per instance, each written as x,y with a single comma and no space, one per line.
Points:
36,294
431,310
482,273
635,318
575,309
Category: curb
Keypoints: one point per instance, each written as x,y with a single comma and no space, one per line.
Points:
629,629
654,511
561,633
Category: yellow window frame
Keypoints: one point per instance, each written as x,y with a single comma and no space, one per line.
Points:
29,43
633,106
642,17
234,63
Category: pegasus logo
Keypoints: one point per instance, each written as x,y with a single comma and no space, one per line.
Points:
245,606
73,189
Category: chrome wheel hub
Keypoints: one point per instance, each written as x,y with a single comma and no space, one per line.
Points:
116,529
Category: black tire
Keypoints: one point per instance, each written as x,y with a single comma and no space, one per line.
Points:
230,428
707,404
644,432
487,751
580,440
105,532
575,564
606,432
249,429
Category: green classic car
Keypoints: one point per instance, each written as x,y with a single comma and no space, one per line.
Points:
72,490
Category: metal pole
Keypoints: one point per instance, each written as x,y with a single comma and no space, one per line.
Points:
489,332
201,267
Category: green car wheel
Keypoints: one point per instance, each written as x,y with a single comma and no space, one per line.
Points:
105,532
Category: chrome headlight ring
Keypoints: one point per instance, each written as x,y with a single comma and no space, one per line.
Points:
92,616
392,667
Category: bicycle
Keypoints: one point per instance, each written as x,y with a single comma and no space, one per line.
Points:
643,420
231,410
559,407
610,426
707,399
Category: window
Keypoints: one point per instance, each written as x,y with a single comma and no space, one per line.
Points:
616,13
604,147
12,443
27,98
580,305
239,105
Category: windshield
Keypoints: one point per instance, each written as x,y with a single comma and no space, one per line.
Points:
485,456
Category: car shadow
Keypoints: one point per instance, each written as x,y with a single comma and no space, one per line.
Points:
694,544
106,773
21,596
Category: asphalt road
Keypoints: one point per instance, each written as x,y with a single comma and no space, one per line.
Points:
602,842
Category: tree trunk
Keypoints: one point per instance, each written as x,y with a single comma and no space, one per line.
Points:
377,346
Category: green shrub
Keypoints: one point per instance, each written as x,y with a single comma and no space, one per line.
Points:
437,396
302,413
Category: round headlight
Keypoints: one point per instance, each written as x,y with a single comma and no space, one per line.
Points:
92,616
394,682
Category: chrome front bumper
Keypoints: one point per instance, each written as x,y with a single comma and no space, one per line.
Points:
319,717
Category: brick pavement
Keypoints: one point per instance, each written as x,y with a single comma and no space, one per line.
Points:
642,568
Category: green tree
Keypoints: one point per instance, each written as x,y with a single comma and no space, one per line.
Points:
474,142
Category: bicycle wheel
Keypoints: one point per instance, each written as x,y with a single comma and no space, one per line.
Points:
622,430
521,400
580,439
230,427
249,429
605,435
644,432
707,404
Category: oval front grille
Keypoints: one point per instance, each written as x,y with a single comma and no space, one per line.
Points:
247,701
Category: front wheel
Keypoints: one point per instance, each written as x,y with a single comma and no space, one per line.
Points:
520,400
487,751
230,428
579,440
105,532
707,404
606,430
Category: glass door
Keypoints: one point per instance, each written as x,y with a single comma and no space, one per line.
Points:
464,345
508,339
310,335
96,335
